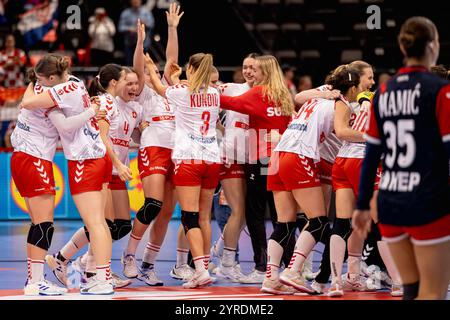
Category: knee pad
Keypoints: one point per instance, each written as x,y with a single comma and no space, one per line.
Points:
122,228
302,221
42,235
87,233
342,228
111,225
149,211
282,232
410,291
319,228
30,233
189,220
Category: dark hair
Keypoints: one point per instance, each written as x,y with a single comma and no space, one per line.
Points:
415,34
108,72
343,78
441,71
51,64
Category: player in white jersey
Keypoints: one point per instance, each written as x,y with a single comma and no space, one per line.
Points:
34,140
196,156
89,167
154,163
295,181
232,175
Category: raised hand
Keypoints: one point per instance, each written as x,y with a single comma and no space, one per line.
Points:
174,15
140,28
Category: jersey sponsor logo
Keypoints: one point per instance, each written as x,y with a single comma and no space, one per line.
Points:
202,100
273,112
298,126
23,126
120,142
91,134
204,140
399,181
399,102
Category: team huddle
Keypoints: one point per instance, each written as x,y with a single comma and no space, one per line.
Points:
293,153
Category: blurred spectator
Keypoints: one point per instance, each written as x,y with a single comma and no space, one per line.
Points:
237,75
11,62
289,75
383,78
127,26
101,31
304,83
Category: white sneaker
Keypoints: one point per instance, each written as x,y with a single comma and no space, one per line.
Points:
319,288
43,288
200,279
58,267
233,273
307,270
335,290
274,286
294,279
183,272
130,269
95,286
254,277
149,277
354,283
213,269
397,290
78,265
118,282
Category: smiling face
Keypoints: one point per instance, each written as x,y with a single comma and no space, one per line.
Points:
248,70
127,90
258,74
366,79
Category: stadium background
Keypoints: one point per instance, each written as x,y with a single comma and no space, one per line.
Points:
310,36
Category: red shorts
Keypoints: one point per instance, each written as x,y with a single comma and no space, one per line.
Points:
346,173
89,175
325,171
435,232
294,172
153,160
33,176
117,184
188,173
232,171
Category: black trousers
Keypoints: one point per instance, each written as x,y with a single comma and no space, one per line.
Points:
257,199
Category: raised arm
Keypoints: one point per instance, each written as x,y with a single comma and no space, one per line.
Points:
173,19
154,76
341,124
138,59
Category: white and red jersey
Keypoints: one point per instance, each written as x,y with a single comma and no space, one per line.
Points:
196,116
358,121
330,147
34,133
109,104
84,143
120,130
309,128
235,141
160,117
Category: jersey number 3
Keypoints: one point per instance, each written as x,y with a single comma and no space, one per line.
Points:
400,136
206,116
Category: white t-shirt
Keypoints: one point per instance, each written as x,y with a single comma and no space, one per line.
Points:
84,143
161,119
34,133
357,122
235,141
129,117
195,125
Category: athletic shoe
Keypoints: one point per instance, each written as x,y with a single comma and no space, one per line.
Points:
95,286
307,270
335,290
397,290
130,269
59,268
233,273
274,286
149,277
118,282
183,272
200,279
354,283
319,288
376,279
254,277
294,279
78,265
43,288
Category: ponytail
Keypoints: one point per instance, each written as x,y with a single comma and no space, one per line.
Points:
201,64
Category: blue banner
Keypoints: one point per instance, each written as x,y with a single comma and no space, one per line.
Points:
12,205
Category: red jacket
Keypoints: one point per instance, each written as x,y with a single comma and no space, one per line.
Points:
264,117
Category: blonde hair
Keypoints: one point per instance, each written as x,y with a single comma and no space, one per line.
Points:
360,66
274,86
201,64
